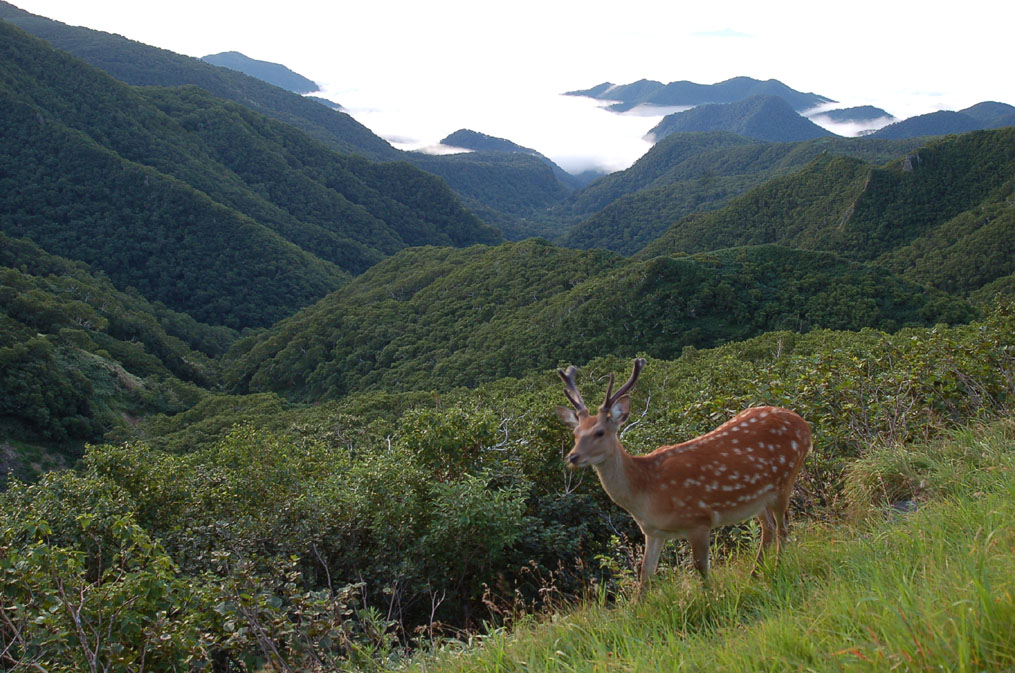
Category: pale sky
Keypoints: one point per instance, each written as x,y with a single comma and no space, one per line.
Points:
415,71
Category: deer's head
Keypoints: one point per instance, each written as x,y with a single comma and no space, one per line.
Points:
595,435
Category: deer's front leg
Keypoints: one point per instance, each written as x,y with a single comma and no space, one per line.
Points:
653,547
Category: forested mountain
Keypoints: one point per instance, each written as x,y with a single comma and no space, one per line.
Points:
200,203
481,142
986,115
859,113
460,317
503,190
272,73
760,117
945,200
78,357
688,172
143,65
687,93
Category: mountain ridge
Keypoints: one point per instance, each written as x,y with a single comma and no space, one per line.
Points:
272,73
685,93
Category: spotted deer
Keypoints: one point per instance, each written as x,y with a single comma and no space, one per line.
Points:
746,467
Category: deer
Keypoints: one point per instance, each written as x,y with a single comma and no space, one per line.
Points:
745,467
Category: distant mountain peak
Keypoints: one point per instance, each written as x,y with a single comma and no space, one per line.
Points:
768,118
272,73
468,139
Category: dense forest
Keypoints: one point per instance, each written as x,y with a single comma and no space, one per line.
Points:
275,397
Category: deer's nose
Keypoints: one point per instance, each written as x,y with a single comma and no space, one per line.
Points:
572,458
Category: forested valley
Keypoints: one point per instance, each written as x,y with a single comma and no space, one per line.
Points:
277,396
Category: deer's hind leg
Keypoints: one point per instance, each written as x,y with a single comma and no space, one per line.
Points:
769,520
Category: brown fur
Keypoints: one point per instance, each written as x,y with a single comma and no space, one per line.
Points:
746,467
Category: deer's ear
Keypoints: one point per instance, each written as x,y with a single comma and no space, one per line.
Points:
568,415
620,410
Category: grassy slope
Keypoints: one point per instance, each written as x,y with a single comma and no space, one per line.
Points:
930,590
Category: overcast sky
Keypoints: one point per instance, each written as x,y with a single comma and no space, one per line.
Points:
415,71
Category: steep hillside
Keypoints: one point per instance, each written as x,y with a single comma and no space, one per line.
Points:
142,65
759,117
971,251
506,189
442,318
504,192
866,212
686,173
197,172
78,357
681,93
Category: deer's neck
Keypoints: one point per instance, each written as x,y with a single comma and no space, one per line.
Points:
617,474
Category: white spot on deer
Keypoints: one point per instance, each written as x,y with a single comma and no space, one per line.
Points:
702,505
764,414
793,445
782,459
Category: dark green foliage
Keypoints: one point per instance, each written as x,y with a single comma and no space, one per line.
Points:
443,318
934,197
512,183
272,73
444,510
694,172
142,65
760,117
407,316
967,252
509,189
201,204
78,357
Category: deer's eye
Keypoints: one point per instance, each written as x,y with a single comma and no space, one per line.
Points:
600,432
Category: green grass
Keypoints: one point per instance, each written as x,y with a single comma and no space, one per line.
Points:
931,589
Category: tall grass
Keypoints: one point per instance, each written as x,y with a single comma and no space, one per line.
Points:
928,588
